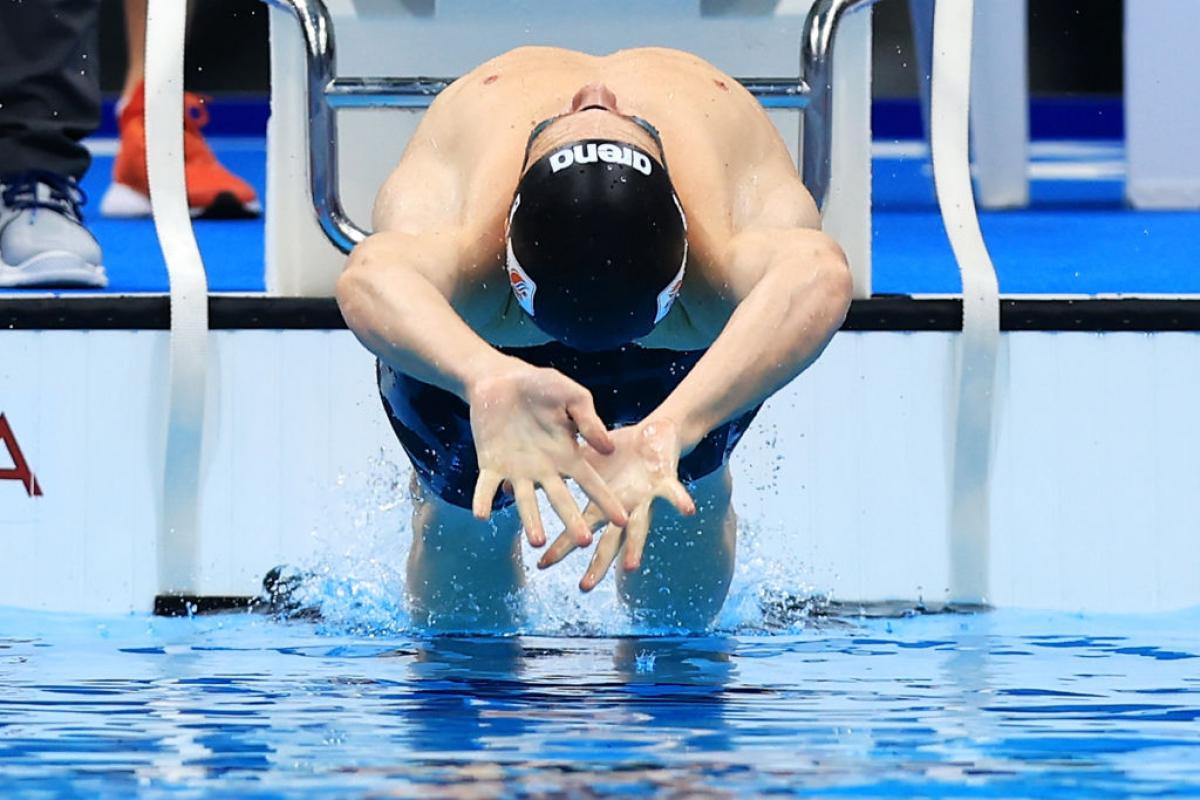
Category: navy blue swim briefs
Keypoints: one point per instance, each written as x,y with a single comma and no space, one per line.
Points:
434,426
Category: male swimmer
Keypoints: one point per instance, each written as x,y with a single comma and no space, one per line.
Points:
593,268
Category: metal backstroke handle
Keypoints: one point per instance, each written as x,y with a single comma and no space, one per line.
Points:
812,93
816,67
321,62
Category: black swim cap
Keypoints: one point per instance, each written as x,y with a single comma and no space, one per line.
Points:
597,243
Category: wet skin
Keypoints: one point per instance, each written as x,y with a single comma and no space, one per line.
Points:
763,292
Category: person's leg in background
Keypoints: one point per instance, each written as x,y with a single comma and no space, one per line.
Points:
135,46
49,101
213,191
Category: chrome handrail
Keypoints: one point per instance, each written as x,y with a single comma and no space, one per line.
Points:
812,92
816,67
420,92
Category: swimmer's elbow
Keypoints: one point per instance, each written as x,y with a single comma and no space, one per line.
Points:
354,278
348,287
352,292
358,283
368,261
836,280
819,268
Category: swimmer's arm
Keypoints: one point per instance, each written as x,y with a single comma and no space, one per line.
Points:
395,295
792,289
404,289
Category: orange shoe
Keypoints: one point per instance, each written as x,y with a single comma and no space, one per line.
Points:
213,191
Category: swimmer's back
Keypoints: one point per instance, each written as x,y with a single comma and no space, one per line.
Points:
712,128
728,164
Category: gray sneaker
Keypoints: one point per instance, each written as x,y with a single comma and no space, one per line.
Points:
43,241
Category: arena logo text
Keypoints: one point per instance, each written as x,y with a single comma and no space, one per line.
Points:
19,471
607,152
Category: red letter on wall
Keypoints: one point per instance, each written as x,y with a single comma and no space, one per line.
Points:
20,469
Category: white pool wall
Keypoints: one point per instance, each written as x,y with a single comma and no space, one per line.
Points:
1095,492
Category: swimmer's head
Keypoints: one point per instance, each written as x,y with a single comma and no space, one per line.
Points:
593,113
596,238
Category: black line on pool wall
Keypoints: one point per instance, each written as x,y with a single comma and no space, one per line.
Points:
274,313
170,605
903,313
898,313
185,605
153,312
97,313
1101,315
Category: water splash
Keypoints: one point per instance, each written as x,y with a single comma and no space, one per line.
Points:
356,581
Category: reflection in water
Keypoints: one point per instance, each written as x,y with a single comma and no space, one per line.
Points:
464,695
679,683
1002,704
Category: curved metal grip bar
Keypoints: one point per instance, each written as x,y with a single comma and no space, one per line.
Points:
420,92
816,65
812,92
321,60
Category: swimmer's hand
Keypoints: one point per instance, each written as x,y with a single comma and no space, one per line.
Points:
643,466
525,420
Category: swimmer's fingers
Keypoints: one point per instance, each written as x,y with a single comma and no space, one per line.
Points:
606,552
601,496
639,521
485,492
677,495
527,509
594,517
635,536
563,546
564,505
583,411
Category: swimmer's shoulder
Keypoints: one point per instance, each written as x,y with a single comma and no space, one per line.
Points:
502,86
519,62
522,61
664,55
670,60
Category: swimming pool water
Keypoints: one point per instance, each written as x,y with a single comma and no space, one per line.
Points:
995,704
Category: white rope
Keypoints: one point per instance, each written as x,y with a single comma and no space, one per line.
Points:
976,362
177,540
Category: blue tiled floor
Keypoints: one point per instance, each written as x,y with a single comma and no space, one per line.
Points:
1076,238
232,249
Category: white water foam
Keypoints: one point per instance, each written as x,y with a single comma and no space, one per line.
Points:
357,580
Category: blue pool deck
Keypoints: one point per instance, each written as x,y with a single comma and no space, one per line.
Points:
1076,238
